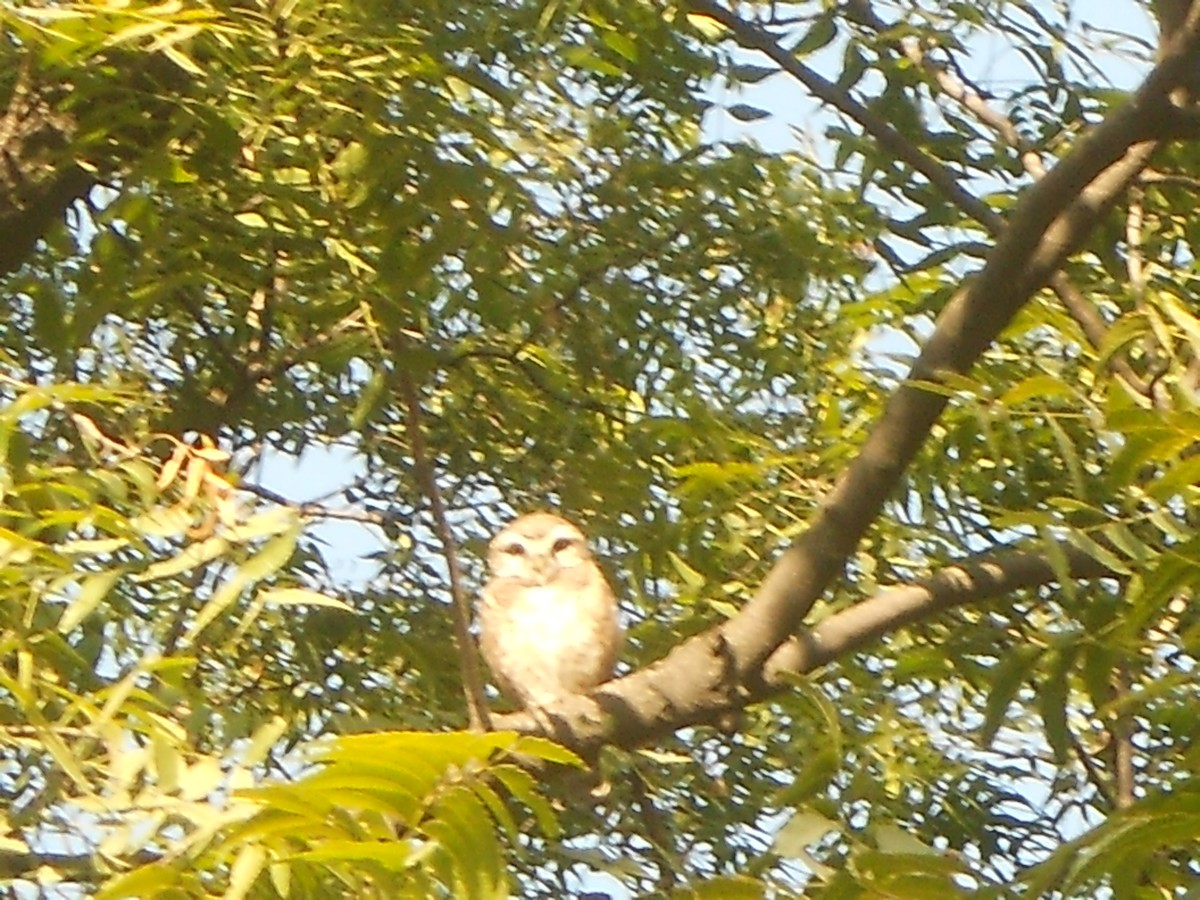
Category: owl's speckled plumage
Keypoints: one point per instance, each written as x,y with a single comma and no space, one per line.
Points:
548,620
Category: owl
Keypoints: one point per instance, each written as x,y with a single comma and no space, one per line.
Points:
548,623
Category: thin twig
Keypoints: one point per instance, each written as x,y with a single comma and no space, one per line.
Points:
1135,261
656,830
1094,775
472,676
317,510
1122,737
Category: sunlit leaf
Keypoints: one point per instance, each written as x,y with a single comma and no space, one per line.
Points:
92,592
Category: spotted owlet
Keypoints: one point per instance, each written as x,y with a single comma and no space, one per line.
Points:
547,618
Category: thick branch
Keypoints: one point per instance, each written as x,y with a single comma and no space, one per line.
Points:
725,667
1049,223
972,581
690,686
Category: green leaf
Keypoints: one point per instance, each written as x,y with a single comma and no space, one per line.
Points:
621,44
1037,387
145,882
1013,671
395,855
891,838
251,219
803,830
744,112
587,58
692,579
464,829
245,871
521,785
271,558
222,598
1098,552
820,34
189,558
545,750
91,592
750,74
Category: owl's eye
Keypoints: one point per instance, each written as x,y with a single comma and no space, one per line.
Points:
514,549
562,544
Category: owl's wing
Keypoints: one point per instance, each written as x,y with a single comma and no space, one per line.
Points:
495,601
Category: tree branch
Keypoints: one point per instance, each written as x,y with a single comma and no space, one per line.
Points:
477,711
1094,774
1085,314
1121,733
690,686
974,580
1048,224
733,664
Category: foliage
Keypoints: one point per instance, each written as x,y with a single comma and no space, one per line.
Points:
395,814
304,209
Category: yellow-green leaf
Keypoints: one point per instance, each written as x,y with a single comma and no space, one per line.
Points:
94,589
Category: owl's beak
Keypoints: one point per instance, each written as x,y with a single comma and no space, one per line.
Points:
546,568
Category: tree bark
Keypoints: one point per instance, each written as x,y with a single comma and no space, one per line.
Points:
55,147
39,178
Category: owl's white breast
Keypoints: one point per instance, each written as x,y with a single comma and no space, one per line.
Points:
547,641
542,615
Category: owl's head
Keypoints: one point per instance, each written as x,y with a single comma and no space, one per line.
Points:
537,548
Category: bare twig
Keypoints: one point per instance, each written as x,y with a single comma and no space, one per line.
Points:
656,830
1152,176
460,604
1094,775
318,510
1122,743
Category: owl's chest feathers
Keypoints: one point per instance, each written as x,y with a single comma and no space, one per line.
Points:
547,641
542,618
